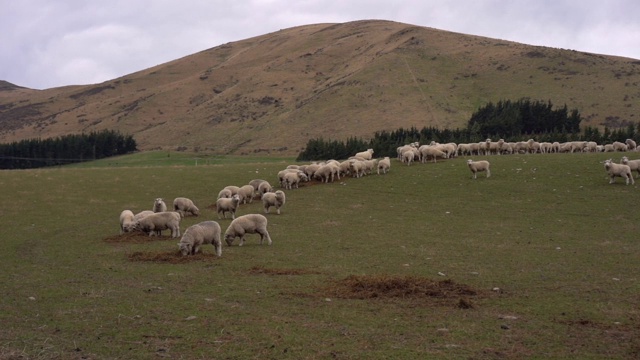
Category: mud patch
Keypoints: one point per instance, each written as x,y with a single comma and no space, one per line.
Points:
264,271
444,292
170,257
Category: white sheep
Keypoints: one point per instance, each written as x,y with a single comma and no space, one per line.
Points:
366,155
292,180
234,189
206,232
142,214
153,224
159,205
614,170
631,144
224,193
247,224
126,221
384,165
227,205
276,199
478,166
634,165
246,193
185,206
264,188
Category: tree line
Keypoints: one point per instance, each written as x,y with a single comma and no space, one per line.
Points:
509,120
34,153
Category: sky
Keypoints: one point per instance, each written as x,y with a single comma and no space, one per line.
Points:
51,43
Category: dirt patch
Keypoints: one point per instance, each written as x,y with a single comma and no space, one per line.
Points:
444,292
135,238
260,270
171,257
609,339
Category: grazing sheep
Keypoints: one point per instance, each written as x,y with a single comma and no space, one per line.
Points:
234,189
153,224
621,170
225,194
185,206
227,205
366,155
292,180
142,214
126,221
276,199
206,232
159,205
631,145
427,151
264,188
634,165
357,168
247,224
327,172
246,193
384,165
310,170
478,166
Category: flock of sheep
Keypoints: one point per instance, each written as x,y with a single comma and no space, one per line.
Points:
154,221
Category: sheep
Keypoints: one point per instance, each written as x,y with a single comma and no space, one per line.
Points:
247,224
477,166
224,193
427,151
185,206
230,205
276,199
142,214
159,205
408,156
327,172
384,165
206,232
293,179
357,168
234,189
126,221
620,170
282,173
264,188
631,144
246,193
366,155
153,224
618,146
634,165
256,183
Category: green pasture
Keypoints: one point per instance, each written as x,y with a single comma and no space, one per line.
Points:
550,249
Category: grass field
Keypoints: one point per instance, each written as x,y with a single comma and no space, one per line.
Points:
541,260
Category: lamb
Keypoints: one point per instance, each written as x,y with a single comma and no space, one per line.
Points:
159,205
246,193
126,221
185,206
276,199
206,232
247,224
478,166
153,224
621,170
384,165
366,155
634,165
230,205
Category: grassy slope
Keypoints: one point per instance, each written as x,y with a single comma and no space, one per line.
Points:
547,230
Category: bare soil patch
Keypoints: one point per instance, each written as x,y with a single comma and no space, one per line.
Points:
171,257
444,292
265,271
134,238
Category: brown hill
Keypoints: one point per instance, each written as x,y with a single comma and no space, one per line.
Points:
272,93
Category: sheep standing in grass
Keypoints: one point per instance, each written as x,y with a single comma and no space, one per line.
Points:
142,214
614,170
225,193
153,224
384,165
264,188
292,180
631,145
478,166
276,199
634,165
206,232
159,205
185,206
366,155
247,224
227,205
246,193
126,221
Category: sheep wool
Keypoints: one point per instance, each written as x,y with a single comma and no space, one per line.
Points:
479,166
159,205
618,170
227,205
206,232
185,206
126,221
247,224
276,199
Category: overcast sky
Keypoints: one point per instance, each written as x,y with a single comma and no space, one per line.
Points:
50,43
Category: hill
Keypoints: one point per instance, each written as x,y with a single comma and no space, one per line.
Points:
272,93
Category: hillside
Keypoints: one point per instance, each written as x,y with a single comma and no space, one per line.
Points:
271,93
